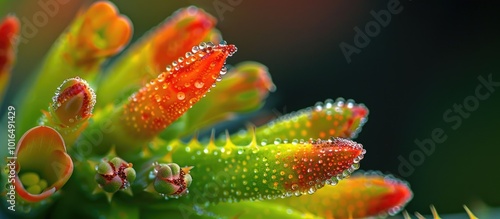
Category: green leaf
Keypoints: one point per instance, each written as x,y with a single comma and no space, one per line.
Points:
232,173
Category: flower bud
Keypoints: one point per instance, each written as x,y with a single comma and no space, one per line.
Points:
73,102
171,180
71,108
114,175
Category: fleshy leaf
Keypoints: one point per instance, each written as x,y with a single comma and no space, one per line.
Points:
162,101
41,151
233,173
360,196
329,119
173,92
71,108
95,35
243,90
184,29
9,29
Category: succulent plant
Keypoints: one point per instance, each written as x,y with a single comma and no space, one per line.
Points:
121,140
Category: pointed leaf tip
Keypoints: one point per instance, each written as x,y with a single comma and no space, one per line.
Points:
360,196
184,29
172,93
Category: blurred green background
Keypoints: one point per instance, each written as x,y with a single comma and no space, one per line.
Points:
427,59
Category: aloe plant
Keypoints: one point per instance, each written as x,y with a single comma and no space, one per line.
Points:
122,142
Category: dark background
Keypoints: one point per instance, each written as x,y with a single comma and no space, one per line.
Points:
427,59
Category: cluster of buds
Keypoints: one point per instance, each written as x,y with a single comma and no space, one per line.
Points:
170,180
114,175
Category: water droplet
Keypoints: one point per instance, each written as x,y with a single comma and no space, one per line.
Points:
350,103
210,46
195,49
340,101
312,190
277,141
199,84
202,45
263,142
181,96
192,101
393,211
161,77
223,70
318,106
329,103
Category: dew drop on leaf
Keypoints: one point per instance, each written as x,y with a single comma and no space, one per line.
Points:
181,96
199,84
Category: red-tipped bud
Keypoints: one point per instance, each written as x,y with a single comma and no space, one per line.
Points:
73,102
